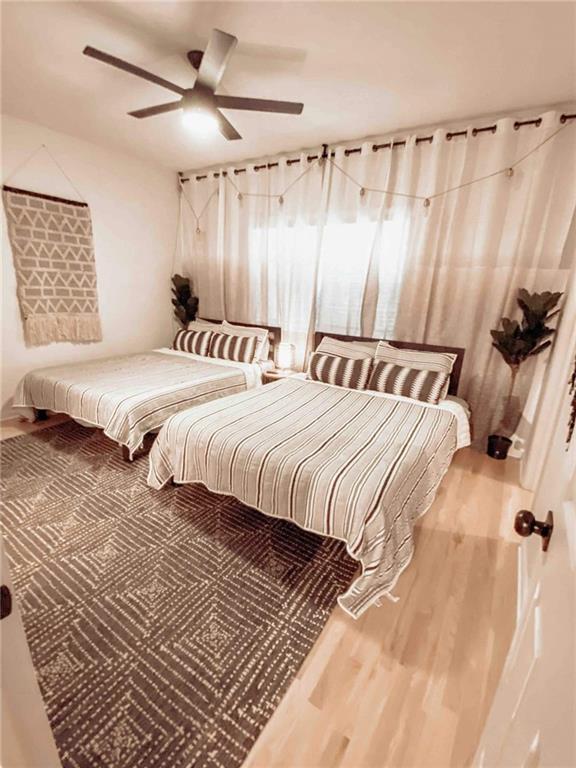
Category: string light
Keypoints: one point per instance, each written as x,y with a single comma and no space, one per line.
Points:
321,161
198,216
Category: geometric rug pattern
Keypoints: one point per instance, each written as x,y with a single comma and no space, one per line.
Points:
164,626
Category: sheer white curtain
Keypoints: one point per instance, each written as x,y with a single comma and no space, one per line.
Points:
536,427
255,258
477,246
334,259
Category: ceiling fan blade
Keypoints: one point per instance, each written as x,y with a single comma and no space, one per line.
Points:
215,58
225,127
133,70
259,105
157,110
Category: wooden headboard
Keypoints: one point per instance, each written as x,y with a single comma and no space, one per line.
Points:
274,333
458,351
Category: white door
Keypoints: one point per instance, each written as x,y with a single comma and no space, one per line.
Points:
27,740
533,718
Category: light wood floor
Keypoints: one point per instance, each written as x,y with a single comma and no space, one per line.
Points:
410,683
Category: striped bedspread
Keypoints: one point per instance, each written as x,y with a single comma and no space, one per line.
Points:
357,466
130,395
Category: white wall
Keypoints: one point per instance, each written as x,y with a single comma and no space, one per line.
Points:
134,210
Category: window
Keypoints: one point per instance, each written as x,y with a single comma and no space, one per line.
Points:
281,269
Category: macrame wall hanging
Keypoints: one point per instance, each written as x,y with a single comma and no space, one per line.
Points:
53,254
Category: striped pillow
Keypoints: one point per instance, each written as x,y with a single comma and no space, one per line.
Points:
197,342
242,349
427,386
342,371
263,346
415,358
419,360
356,350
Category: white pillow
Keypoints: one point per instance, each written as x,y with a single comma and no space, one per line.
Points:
416,358
263,348
355,350
203,325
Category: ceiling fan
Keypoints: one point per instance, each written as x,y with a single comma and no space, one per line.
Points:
202,97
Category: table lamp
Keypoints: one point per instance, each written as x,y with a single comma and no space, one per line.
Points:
285,356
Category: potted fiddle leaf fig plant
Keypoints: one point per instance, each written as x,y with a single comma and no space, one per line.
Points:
184,302
517,342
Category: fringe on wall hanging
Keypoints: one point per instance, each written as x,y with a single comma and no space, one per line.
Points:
53,254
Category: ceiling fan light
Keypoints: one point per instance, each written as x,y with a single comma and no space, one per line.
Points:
199,121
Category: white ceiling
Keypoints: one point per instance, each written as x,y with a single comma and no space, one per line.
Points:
361,68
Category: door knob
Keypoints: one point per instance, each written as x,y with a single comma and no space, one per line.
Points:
525,524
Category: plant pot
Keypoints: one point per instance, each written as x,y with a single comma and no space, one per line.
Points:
498,446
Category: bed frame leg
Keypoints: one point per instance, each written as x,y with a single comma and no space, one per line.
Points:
125,453
41,414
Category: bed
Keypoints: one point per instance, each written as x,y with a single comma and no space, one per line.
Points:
129,396
350,464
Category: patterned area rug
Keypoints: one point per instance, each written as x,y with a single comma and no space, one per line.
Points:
165,626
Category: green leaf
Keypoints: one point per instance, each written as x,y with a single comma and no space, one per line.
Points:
184,302
517,341
540,348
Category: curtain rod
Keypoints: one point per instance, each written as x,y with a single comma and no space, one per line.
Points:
376,147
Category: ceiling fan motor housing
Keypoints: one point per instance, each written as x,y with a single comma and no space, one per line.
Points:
198,97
